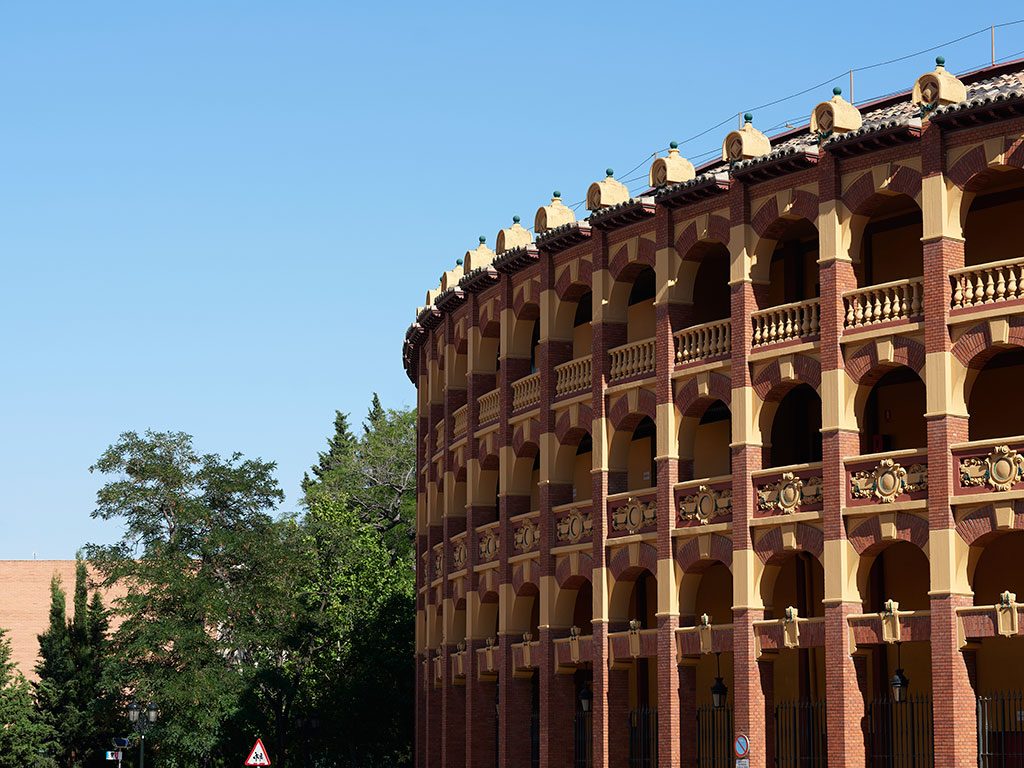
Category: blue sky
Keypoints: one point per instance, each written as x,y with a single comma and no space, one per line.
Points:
219,217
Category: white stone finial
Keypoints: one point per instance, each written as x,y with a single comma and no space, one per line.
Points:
481,256
672,169
554,215
746,143
513,237
938,87
606,193
835,116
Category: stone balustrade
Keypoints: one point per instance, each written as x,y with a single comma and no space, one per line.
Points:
489,406
573,376
786,322
629,360
459,421
526,392
989,283
703,342
883,303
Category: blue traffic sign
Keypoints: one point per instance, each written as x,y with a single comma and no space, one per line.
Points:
741,746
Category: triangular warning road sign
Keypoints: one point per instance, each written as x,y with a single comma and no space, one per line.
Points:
258,755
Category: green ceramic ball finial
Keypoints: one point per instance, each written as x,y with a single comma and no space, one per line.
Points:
748,118
556,194
673,145
837,91
458,262
609,172
515,219
940,61
483,239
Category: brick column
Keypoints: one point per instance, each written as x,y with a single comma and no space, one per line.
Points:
514,701
480,714
844,701
688,714
748,698
668,474
766,669
953,695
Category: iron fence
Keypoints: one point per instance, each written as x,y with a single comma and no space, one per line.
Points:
1001,730
643,738
800,735
714,737
582,730
900,734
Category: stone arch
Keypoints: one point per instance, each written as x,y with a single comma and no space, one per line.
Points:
526,438
574,279
770,385
694,396
769,219
628,409
525,575
975,347
864,367
864,194
573,420
571,568
983,522
713,229
629,561
689,555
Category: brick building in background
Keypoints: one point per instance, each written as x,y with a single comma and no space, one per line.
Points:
740,455
25,604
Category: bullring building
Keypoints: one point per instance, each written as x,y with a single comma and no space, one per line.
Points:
742,455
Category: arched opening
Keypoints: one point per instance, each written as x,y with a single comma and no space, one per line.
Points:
996,208
795,436
890,242
526,612
899,572
893,416
486,504
711,437
582,335
640,307
793,267
522,357
524,486
998,570
993,385
711,295
706,589
634,597
631,460
583,464
796,580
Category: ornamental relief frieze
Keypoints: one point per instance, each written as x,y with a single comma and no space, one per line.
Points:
490,545
1000,470
888,481
789,493
574,527
526,536
459,555
438,563
705,505
634,515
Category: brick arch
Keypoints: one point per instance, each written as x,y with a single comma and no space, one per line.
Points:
982,522
688,555
863,366
976,347
571,422
689,401
621,265
770,386
970,170
523,575
526,438
867,539
526,299
625,414
630,560
566,575
768,222
862,197
571,280
717,231
770,549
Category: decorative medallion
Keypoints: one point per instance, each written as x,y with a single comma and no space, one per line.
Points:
1000,470
786,495
888,480
438,563
526,536
705,505
574,526
490,543
459,555
634,515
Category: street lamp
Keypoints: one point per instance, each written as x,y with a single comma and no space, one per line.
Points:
900,682
719,690
141,718
585,698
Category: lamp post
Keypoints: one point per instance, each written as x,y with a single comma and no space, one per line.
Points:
719,691
899,682
141,718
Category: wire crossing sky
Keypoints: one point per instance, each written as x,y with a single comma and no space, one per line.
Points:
220,217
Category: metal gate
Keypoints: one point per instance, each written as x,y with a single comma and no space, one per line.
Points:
1001,730
800,735
643,738
714,737
900,735
582,730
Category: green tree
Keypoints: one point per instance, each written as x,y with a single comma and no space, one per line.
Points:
55,670
197,538
25,738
